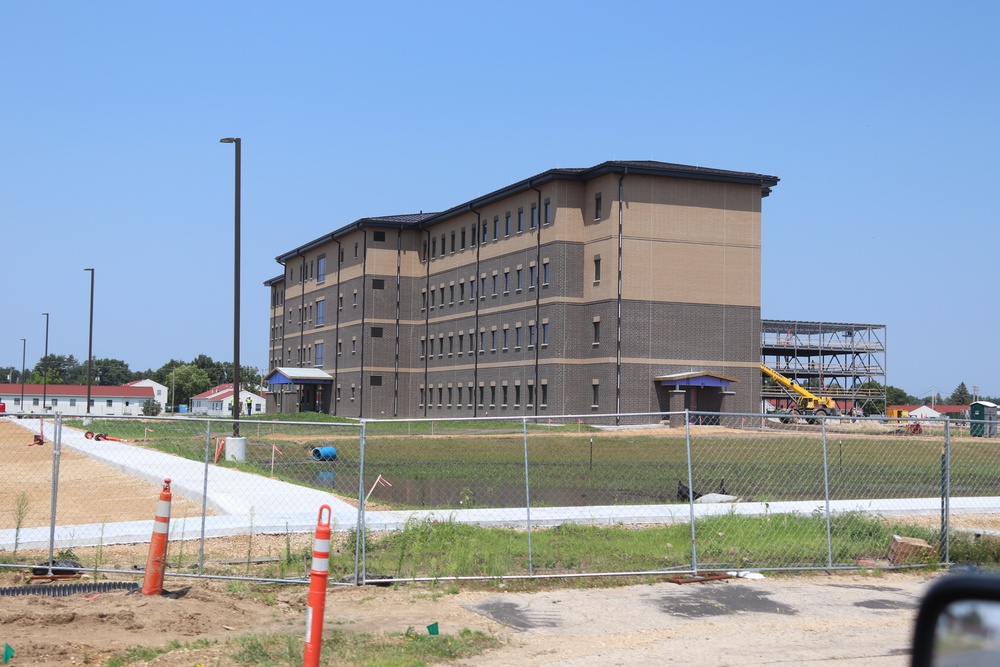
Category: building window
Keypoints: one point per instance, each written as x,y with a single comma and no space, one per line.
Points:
109,403
534,216
506,332
462,244
340,301
423,349
520,220
424,253
506,224
597,332
517,337
545,395
422,390
545,273
319,354
375,380
320,313
506,281
485,230
493,340
55,402
596,391
340,347
517,395
531,276
354,346
548,212
531,395
461,292
482,292
376,332
531,335
495,280
355,249
378,237
355,298
496,227
451,295
493,396
597,269
474,230
453,242
504,390
378,283
597,206
434,246
545,333
519,272
321,269
341,258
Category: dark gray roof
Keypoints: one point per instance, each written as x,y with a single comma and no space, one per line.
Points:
622,167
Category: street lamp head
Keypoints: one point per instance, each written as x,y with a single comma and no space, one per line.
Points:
229,140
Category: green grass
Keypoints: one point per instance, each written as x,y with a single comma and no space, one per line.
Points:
427,549
409,649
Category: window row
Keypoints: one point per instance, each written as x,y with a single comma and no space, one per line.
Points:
502,395
498,337
489,284
513,222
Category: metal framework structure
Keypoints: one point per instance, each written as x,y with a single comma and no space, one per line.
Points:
841,360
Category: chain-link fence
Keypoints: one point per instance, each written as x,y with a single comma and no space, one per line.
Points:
492,498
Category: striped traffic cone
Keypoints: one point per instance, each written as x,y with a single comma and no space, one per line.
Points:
317,590
156,562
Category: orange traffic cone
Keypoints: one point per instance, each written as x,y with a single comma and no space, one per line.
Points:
156,562
317,590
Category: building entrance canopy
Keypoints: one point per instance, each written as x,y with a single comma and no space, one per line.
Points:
298,376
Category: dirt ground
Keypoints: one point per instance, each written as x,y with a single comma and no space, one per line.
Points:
805,620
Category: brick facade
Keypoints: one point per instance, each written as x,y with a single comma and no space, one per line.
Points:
517,294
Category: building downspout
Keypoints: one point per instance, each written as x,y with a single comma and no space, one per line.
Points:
618,334
281,352
427,311
395,372
364,302
336,356
475,332
538,295
302,325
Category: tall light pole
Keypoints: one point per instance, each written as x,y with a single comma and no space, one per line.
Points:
236,294
24,349
90,340
45,364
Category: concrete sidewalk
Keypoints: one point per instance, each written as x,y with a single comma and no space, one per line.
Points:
243,502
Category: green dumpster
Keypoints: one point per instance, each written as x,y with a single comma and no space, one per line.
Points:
983,419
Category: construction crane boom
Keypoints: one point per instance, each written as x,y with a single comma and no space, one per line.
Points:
807,403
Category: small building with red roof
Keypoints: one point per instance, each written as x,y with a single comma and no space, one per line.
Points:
218,402
71,399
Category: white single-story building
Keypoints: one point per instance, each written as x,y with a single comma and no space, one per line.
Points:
218,402
71,399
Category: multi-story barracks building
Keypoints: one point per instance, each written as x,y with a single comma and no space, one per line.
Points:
621,288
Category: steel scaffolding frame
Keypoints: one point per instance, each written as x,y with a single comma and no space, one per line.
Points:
845,361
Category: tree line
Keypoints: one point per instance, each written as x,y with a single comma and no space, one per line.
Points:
183,378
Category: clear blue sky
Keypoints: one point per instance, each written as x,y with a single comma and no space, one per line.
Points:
881,119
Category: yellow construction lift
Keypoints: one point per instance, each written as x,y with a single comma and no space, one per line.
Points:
807,404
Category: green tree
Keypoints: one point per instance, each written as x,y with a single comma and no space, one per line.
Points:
187,381
960,396
112,372
60,369
150,408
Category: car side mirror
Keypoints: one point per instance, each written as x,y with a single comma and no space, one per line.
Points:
959,623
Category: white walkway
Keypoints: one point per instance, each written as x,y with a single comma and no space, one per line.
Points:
243,501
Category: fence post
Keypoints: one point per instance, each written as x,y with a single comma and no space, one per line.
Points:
687,440
826,496
946,493
56,454
204,498
527,493
359,536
